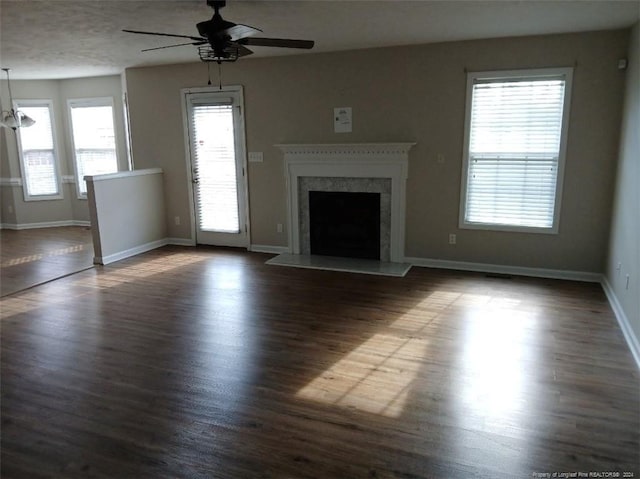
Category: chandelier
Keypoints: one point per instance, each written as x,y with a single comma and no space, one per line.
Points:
14,119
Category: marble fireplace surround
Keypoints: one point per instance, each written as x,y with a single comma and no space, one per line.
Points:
353,167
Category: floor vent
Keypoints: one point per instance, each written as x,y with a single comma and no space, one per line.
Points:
498,275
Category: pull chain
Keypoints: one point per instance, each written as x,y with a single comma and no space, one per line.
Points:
219,74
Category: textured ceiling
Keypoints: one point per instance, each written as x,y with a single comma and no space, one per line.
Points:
75,38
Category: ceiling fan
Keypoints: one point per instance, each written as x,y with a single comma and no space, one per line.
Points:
223,41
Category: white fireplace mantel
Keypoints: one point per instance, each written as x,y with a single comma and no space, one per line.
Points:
352,160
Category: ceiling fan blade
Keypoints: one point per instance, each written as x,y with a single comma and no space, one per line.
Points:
276,42
171,46
239,31
242,50
197,39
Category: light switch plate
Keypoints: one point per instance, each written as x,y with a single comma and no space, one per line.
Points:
256,157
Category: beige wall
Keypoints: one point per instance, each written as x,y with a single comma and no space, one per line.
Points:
412,93
624,247
70,208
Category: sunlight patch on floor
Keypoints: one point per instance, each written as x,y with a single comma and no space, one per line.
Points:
377,376
113,277
23,303
496,356
37,257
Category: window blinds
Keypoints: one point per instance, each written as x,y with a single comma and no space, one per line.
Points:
514,147
38,154
94,142
215,163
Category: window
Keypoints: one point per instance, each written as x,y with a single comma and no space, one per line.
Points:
515,137
38,158
214,155
94,143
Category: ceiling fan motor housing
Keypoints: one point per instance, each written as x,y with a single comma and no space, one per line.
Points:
216,4
214,28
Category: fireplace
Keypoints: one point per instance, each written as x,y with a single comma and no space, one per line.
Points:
344,224
329,184
370,168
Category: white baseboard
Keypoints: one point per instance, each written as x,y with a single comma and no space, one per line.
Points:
263,248
181,241
143,248
504,269
45,224
112,258
623,321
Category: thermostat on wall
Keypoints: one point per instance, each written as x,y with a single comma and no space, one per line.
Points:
342,120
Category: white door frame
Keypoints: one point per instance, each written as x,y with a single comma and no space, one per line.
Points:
241,153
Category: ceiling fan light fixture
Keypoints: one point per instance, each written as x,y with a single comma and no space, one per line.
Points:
25,120
10,119
208,54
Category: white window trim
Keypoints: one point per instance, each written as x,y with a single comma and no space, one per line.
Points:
88,102
56,153
567,72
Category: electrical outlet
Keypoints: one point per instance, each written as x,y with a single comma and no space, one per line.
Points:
279,227
452,238
177,220
440,158
619,268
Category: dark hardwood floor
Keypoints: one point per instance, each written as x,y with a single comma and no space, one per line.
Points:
34,256
207,363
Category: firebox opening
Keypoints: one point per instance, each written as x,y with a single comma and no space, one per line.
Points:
345,224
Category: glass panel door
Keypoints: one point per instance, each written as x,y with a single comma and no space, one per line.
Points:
216,145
